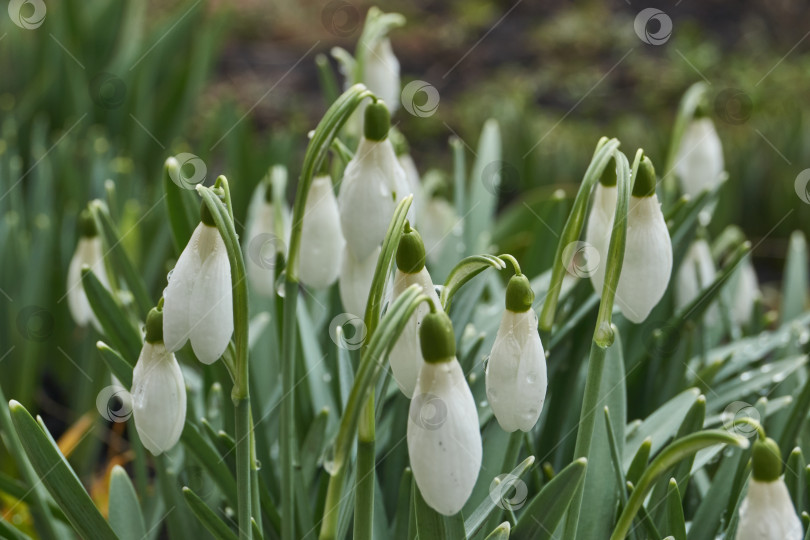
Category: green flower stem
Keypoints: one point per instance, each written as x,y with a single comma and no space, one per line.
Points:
319,145
686,111
573,227
672,454
507,257
245,462
368,371
603,335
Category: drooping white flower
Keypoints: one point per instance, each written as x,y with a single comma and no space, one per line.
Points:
405,358
444,441
647,263
372,185
516,375
745,293
90,252
699,162
381,73
767,512
355,281
263,240
199,299
322,242
695,274
597,232
158,392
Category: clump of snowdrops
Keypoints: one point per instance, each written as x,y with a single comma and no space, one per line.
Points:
370,398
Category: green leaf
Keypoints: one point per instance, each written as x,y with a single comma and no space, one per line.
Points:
207,517
479,516
795,477
9,531
794,285
181,221
709,514
464,271
58,477
405,510
125,514
485,183
118,366
676,525
751,382
501,532
542,515
431,524
119,330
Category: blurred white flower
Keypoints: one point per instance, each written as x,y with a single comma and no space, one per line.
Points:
322,242
89,252
414,183
355,281
381,73
199,299
744,294
699,162
263,240
437,218
516,377
600,225
695,274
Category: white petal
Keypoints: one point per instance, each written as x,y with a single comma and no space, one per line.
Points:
745,293
406,354
177,295
89,251
647,259
516,372
261,247
695,274
158,398
444,442
322,242
211,306
382,73
414,186
355,281
699,162
597,233
767,513
371,186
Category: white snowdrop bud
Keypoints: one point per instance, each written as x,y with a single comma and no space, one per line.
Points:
516,370
89,251
444,442
767,512
695,274
647,264
322,240
699,162
263,241
355,281
372,185
405,358
158,391
381,73
199,298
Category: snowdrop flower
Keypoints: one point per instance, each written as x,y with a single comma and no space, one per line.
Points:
600,223
263,242
411,172
405,357
516,371
696,273
437,220
745,293
355,281
199,299
372,186
767,511
381,73
89,252
158,391
647,264
444,443
699,162
322,240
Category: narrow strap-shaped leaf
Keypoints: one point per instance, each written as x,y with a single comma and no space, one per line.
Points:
501,532
9,531
119,257
464,271
676,524
542,515
118,366
210,459
118,329
431,524
125,514
794,477
476,520
207,517
794,285
488,172
180,220
402,519
795,420
58,478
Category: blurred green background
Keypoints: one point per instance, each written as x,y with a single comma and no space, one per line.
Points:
107,90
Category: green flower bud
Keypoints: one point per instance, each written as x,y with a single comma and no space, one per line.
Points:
205,215
766,460
608,177
644,185
87,225
436,338
154,325
519,294
377,122
411,251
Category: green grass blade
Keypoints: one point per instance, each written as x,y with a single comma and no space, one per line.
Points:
125,514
